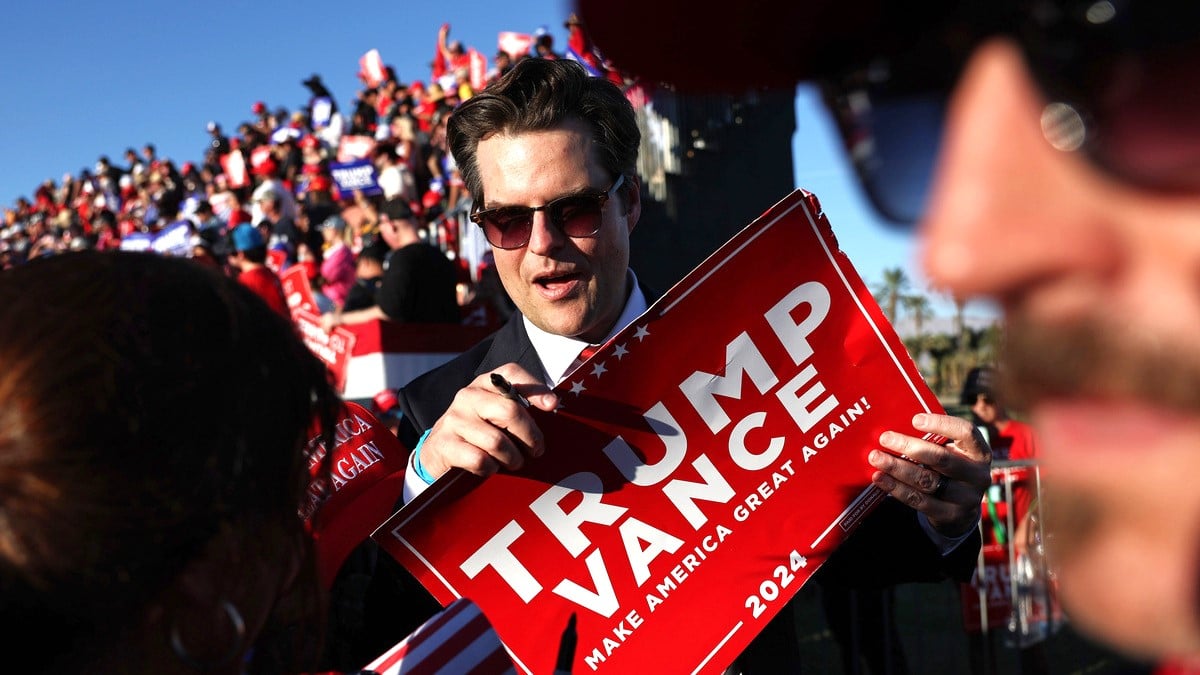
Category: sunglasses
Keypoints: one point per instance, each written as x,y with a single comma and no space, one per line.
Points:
1119,78
577,215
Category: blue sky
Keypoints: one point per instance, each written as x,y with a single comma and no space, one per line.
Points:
88,79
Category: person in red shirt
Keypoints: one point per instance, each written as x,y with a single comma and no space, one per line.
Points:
249,258
1010,439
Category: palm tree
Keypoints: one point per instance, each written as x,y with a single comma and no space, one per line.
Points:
888,293
919,309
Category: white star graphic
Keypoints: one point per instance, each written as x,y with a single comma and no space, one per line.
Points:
577,388
641,333
620,351
599,369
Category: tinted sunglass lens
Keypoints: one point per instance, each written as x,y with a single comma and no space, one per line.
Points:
898,169
577,216
509,229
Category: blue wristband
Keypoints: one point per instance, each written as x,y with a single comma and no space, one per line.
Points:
417,466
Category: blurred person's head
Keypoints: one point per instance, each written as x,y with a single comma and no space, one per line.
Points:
150,517
1051,152
981,394
333,230
369,262
249,246
398,224
546,132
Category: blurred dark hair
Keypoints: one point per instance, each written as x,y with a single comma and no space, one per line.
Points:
147,404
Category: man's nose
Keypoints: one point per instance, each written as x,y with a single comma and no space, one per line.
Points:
544,237
1007,211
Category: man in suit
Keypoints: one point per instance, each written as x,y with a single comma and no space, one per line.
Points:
548,155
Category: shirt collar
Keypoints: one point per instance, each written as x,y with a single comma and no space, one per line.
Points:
558,353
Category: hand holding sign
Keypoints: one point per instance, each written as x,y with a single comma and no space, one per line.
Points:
953,506
484,429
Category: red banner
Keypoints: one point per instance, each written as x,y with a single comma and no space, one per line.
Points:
703,464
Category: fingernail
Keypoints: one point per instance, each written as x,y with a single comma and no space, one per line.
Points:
887,438
920,420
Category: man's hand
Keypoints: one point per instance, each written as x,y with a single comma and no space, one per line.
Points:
965,462
330,320
483,430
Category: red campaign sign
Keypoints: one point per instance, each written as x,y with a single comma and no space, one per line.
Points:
334,349
364,481
297,290
702,466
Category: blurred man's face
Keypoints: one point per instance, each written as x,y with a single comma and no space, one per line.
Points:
985,409
564,285
1100,285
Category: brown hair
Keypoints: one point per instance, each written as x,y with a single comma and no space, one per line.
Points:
539,94
146,404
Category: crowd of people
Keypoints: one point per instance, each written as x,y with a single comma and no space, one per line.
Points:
275,172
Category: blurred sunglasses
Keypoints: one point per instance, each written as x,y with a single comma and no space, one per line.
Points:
578,215
1119,77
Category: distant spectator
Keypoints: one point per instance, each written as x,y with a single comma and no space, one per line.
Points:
368,272
268,174
337,268
218,143
419,281
543,44
249,257
395,178
501,64
282,231
365,117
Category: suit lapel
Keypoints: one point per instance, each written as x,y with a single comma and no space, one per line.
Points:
512,345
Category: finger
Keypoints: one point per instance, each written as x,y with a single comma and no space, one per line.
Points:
963,435
917,476
468,443
914,497
532,388
953,514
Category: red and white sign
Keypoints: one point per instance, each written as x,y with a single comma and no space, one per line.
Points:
370,68
351,148
703,464
515,44
355,485
297,290
478,69
233,163
333,348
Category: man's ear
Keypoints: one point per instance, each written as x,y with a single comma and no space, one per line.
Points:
633,201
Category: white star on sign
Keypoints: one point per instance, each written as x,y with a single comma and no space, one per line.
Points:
577,387
641,333
599,369
620,351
